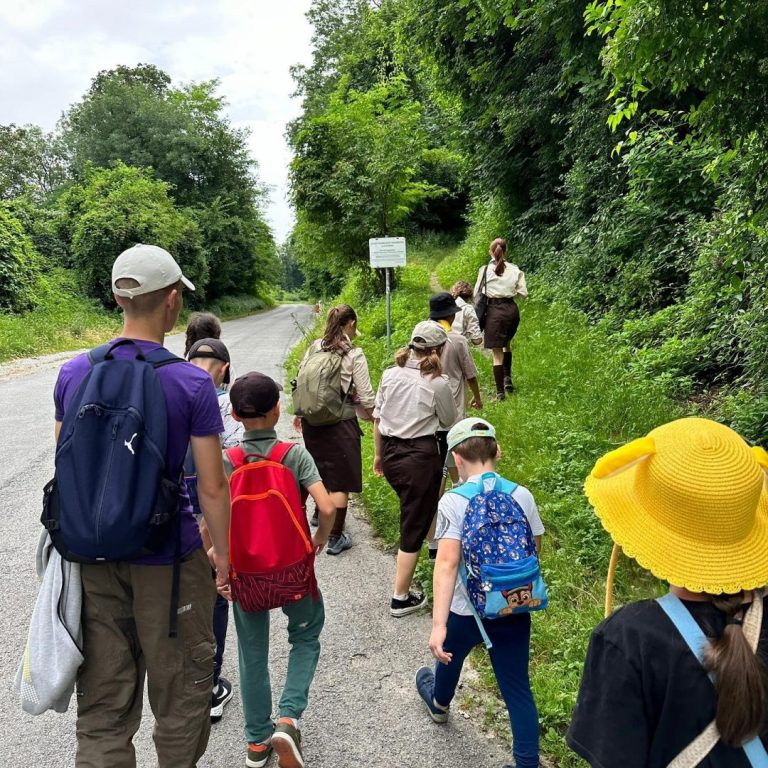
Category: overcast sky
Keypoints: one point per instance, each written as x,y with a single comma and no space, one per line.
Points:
51,49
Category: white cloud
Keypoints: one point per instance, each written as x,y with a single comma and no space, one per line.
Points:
50,50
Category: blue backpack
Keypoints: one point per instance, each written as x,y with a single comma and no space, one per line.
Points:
500,567
111,497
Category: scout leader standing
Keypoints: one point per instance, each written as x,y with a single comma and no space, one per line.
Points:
125,414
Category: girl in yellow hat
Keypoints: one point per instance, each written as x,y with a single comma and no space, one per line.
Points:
682,681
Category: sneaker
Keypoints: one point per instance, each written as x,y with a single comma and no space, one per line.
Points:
257,755
222,693
500,396
286,741
413,602
337,544
425,685
508,385
315,521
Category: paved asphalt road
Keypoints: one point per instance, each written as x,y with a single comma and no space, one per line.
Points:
363,708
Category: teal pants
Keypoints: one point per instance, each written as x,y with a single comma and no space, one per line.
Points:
305,621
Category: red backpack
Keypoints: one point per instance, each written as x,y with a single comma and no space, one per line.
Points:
271,552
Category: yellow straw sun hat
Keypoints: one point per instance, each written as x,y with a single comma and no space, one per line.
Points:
689,502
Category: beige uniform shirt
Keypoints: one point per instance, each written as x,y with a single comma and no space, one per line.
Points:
466,322
354,372
458,366
509,285
410,405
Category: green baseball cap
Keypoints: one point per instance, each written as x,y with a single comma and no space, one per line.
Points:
471,427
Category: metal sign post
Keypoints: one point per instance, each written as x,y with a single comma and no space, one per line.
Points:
385,253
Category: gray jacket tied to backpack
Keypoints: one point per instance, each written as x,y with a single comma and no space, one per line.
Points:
53,654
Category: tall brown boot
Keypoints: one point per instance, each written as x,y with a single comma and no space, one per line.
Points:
508,386
498,377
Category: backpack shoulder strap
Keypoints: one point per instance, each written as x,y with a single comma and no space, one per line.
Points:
507,486
161,357
279,451
697,641
236,456
98,354
467,490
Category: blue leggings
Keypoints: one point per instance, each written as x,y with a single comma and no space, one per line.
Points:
509,657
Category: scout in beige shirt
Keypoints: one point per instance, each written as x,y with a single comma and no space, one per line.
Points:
413,402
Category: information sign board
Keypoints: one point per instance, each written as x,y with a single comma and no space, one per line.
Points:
387,252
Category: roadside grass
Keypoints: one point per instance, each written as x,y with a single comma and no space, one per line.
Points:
576,398
65,320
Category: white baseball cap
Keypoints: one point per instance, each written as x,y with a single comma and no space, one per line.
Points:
151,267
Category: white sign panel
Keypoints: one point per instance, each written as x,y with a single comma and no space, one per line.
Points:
387,252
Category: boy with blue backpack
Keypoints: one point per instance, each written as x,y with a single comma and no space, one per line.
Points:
125,414
486,582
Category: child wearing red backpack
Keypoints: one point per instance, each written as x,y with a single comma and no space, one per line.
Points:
272,566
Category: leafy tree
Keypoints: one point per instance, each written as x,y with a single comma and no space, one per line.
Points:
135,116
31,161
18,265
115,208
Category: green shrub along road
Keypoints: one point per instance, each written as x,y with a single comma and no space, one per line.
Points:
576,397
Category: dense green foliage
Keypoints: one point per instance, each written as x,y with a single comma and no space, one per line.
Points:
138,160
619,146
18,265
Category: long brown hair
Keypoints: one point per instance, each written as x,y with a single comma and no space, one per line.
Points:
429,365
497,252
334,338
741,679
202,325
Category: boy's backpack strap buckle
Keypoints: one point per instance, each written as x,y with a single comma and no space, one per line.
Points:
159,518
50,524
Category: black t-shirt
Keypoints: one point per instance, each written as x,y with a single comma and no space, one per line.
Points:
644,696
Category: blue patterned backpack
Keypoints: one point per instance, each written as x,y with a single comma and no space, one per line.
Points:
500,568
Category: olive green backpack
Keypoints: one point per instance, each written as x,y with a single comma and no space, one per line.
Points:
318,395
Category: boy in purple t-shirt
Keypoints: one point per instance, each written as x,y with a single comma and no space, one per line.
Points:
125,604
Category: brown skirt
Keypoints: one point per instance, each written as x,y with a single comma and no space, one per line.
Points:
501,321
336,449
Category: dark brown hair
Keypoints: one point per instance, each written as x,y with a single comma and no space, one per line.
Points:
429,365
478,448
334,338
462,289
741,679
202,325
145,303
497,252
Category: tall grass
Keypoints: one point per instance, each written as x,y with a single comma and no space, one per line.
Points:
576,397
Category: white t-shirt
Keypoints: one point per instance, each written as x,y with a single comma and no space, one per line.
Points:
450,521
233,430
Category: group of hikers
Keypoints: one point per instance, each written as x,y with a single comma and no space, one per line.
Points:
676,681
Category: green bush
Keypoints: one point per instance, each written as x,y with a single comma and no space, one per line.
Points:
118,207
19,266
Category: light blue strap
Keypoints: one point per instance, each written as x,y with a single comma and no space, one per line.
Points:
480,625
697,641
685,624
756,754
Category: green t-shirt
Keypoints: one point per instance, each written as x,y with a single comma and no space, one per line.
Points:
298,460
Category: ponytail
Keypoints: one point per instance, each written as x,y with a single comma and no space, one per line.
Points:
429,360
333,338
430,366
497,252
401,356
740,676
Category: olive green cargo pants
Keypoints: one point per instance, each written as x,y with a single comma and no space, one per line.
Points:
125,635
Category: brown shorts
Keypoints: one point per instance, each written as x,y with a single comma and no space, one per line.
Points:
501,323
414,469
337,452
